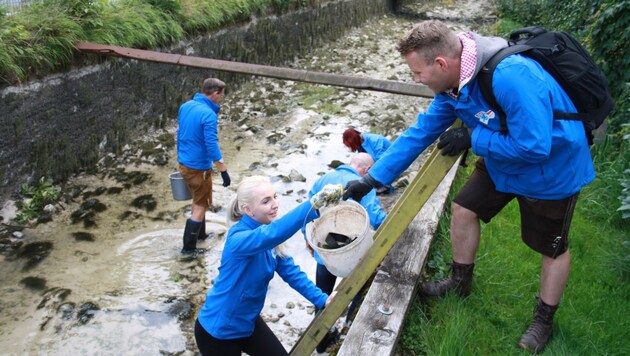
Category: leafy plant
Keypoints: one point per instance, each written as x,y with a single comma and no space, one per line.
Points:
624,197
36,197
608,39
39,38
35,41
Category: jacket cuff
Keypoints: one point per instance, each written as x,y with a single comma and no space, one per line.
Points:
371,181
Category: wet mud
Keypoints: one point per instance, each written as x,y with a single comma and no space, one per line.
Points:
104,274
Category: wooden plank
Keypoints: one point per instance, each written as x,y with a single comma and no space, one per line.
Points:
375,333
300,75
405,210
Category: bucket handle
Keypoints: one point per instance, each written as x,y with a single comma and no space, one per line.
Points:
304,222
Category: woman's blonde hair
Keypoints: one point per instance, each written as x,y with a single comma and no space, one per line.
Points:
245,195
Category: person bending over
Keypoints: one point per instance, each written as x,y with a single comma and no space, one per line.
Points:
373,144
541,162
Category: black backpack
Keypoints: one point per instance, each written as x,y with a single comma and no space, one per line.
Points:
569,63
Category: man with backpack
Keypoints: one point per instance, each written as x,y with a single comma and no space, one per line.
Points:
541,162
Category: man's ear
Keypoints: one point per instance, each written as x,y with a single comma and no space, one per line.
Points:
442,62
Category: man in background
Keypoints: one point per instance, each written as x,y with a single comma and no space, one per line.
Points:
197,150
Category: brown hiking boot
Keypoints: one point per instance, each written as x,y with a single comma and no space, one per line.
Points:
541,329
460,281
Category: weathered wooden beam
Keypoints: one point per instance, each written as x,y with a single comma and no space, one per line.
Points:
404,211
388,86
376,333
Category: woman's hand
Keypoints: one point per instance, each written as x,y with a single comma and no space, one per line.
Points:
329,195
330,298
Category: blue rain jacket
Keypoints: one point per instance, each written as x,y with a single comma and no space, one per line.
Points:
197,134
540,157
375,145
247,265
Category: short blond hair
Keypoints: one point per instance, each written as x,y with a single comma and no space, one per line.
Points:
430,39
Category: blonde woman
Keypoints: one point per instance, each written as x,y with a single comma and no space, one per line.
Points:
229,321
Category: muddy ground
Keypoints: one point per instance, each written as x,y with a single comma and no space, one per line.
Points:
104,275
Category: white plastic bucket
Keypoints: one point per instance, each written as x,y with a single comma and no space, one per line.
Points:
178,187
347,218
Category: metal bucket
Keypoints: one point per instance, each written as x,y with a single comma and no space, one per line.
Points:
178,187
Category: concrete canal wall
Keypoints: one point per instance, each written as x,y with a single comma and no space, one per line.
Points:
63,123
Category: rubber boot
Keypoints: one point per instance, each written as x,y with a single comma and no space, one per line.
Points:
190,238
331,337
460,281
541,329
202,233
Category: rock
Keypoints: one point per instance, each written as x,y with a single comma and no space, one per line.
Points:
335,163
34,283
180,309
34,253
86,312
296,176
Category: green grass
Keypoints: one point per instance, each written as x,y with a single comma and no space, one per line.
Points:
594,313
40,38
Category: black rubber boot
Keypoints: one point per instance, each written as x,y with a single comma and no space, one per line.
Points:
460,281
202,233
541,329
331,338
190,238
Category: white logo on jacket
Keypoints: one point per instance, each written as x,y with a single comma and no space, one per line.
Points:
485,116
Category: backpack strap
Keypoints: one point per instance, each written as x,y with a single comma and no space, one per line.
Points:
485,81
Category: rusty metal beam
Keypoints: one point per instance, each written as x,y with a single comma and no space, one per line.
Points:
388,86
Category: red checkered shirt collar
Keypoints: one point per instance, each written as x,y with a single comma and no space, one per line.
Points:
468,60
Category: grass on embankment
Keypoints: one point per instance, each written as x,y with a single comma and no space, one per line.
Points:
39,38
594,313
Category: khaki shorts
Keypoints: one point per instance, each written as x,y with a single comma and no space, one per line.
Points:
544,223
199,183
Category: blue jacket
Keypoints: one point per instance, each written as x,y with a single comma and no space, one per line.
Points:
540,157
342,175
375,145
197,134
247,265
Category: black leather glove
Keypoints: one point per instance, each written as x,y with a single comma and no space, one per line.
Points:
357,189
454,141
226,179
